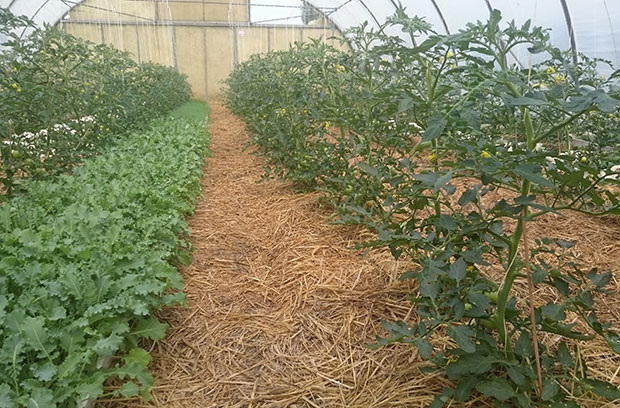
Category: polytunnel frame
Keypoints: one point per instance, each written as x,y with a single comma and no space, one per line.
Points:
566,11
64,6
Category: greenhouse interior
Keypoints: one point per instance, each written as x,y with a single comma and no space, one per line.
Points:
309,203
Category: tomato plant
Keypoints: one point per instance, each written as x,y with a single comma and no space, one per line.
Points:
447,150
63,98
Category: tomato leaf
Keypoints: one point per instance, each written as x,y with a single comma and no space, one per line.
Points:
435,127
497,388
463,337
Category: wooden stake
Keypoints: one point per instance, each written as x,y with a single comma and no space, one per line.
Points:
530,287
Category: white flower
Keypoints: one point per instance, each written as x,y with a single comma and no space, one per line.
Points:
608,176
415,125
60,127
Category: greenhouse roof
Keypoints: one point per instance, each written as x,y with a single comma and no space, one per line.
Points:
591,27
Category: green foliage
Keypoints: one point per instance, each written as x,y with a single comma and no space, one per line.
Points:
192,110
63,98
86,257
446,150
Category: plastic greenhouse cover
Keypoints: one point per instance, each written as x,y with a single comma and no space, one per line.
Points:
595,23
40,11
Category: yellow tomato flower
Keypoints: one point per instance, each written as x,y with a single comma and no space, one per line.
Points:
19,90
15,86
485,154
559,78
433,158
327,125
340,68
550,70
449,54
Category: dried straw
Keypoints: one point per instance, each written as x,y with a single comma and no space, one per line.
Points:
280,308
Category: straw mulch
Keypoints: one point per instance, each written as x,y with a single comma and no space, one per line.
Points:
280,308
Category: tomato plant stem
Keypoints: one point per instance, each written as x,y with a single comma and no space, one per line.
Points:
512,270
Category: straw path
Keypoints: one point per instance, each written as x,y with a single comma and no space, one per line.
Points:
280,307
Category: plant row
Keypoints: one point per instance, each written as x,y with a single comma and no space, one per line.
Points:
447,149
62,98
85,259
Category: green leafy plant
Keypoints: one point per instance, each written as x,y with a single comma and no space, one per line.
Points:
447,149
86,257
64,98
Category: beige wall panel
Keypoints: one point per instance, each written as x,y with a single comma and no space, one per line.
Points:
316,33
205,54
120,37
92,10
203,11
219,58
88,10
283,37
191,58
251,40
156,44
113,35
223,12
181,11
130,40
90,32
